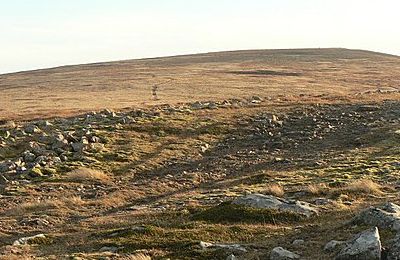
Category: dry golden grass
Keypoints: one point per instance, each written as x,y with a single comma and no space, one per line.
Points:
73,202
336,74
364,186
274,189
316,189
88,175
136,257
39,206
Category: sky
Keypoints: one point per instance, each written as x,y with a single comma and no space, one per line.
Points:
46,33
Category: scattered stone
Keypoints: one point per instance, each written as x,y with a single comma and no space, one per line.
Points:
365,245
7,166
279,253
233,247
29,157
231,257
78,147
332,245
298,242
29,240
322,201
31,129
272,202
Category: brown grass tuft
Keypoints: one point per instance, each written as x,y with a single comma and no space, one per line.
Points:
39,206
364,186
274,189
136,257
316,189
88,175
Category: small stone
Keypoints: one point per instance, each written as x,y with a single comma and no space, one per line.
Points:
332,245
42,160
7,166
232,247
31,129
77,147
94,139
279,253
298,242
29,157
231,257
29,240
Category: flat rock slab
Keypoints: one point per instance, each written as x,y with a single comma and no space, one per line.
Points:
386,216
271,202
364,246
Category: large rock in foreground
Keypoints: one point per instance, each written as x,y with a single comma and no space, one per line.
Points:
386,217
271,202
364,246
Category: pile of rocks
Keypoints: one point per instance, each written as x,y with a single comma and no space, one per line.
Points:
37,147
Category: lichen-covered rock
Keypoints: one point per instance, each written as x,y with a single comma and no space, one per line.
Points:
279,253
272,202
387,216
364,246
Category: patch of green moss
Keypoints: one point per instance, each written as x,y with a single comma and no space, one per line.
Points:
228,212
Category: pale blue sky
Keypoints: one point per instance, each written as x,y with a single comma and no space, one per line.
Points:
45,33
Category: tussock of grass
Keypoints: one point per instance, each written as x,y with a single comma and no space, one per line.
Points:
88,175
139,256
274,189
316,189
364,186
47,205
228,212
40,206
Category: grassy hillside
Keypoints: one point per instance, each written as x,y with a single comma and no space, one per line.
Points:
298,73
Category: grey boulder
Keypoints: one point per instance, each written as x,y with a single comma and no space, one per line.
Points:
279,253
364,246
272,202
386,216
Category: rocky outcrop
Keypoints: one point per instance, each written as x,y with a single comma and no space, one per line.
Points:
271,202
